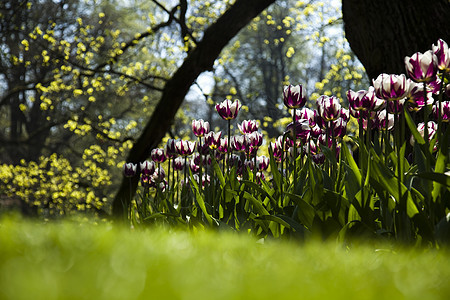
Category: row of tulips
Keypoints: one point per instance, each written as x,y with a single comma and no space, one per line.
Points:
379,184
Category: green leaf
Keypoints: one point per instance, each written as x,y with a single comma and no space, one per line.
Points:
412,126
440,178
260,190
274,219
274,170
351,163
200,199
217,171
306,212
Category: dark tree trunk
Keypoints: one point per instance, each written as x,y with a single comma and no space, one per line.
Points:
382,32
201,59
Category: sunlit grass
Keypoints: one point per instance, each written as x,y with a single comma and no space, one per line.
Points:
72,261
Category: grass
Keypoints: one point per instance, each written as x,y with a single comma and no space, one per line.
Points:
73,260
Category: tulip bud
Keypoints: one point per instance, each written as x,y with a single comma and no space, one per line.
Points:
262,162
200,127
328,108
212,139
158,155
294,96
147,167
129,169
390,87
445,111
248,126
422,67
228,110
442,53
185,148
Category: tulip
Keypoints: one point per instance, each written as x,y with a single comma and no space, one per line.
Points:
364,100
228,110
277,148
235,160
200,127
259,177
206,179
249,164
212,139
323,140
391,87
319,120
432,128
328,108
239,143
445,111
147,167
254,139
185,148
354,113
203,148
129,169
395,107
345,114
170,149
306,114
339,127
158,155
301,130
294,96
415,96
262,162
422,67
145,180
194,163
223,146
381,120
319,158
442,53
248,126
178,163
316,131
159,174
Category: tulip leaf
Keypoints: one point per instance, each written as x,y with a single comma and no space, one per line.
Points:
440,166
274,219
440,178
218,171
351,163
257,204
306,212
412,126
259,189
199,198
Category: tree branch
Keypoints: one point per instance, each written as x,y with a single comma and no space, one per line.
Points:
200,59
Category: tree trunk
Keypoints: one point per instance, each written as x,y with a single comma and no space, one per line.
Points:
201,59
381,33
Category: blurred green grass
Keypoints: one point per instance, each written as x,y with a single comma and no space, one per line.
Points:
73,260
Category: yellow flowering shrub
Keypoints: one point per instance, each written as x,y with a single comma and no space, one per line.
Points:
52,186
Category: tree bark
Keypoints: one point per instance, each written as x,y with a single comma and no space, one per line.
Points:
381,33
200,59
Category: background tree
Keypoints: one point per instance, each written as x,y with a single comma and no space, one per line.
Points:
381,33
200,59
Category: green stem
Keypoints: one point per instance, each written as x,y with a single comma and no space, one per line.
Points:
361,147
439,108
295,149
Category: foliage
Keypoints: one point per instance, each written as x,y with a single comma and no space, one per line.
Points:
315,185
77,74
53,187
73,260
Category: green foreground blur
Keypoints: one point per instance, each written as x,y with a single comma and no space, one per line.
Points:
73,260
